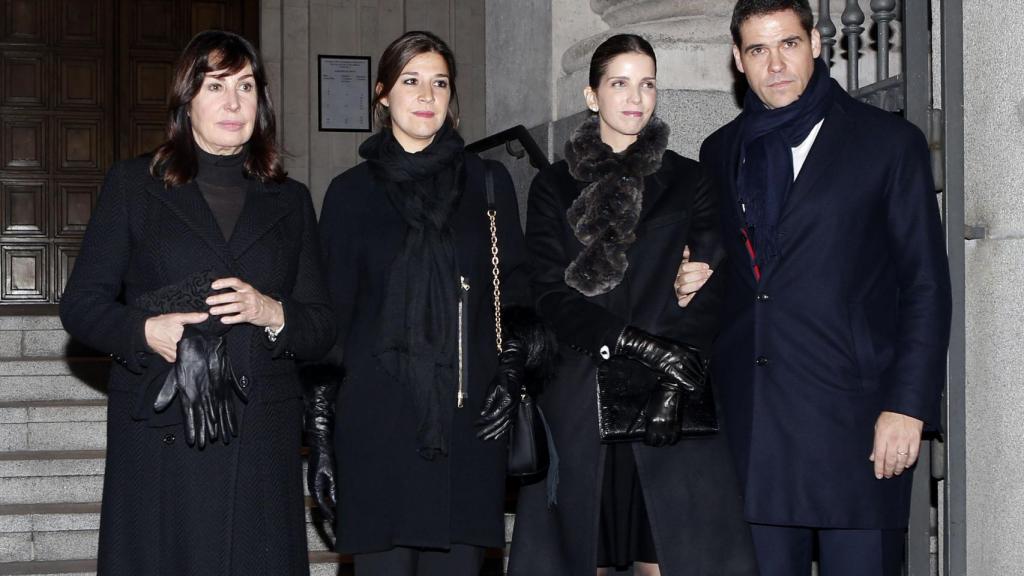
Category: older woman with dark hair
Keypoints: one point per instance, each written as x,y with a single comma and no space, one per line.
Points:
200,275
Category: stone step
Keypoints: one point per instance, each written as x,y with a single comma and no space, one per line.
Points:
320,564
45,477
53,425
53,379
41,343
78,544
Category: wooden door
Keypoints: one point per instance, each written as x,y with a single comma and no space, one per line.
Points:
82,82
56,120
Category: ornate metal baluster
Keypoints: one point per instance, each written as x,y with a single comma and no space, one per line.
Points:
883,12
852,18
827,30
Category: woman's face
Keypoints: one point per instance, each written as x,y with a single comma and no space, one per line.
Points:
625,98
418,102
224,111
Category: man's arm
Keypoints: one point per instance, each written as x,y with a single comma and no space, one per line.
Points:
917,247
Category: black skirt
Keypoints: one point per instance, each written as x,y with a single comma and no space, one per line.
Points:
625,534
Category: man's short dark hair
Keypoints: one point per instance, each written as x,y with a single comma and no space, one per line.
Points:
746,9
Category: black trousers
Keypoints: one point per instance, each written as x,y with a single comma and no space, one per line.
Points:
461,560
787,551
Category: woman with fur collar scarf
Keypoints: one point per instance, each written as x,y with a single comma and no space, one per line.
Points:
605,228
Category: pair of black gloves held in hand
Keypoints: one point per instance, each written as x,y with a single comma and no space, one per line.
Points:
201,377
679,366
680,369
205,385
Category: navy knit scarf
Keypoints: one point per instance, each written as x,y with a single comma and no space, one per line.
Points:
767,137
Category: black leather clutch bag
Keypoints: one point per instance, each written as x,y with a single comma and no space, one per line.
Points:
623,386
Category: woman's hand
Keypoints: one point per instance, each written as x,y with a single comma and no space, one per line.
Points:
164,331
245,304
690,279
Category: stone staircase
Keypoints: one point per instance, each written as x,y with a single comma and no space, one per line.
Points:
52,441
52,448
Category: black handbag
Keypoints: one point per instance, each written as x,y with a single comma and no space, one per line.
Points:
623,386
528,453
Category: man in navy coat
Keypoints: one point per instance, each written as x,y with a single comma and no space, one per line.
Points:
831,357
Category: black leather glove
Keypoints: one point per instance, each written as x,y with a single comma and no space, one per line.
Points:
320,433
504,394
680,363
225,387
663,414
189,381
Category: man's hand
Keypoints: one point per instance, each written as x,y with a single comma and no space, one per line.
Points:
690,279
897,443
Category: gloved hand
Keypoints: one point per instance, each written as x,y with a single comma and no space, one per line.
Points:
225,386
504,394
663,414
189,381
320,431
680,363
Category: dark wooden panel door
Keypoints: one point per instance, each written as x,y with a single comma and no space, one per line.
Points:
150,45
82,82
56,135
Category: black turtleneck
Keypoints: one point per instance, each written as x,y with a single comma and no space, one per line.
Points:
222,181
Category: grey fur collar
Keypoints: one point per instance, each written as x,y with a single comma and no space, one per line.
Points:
605,214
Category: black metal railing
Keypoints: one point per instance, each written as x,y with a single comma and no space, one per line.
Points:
506,138
888,93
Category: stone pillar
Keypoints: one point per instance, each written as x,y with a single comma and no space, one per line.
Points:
994,169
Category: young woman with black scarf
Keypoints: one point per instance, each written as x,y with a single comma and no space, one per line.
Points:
600,227
407,241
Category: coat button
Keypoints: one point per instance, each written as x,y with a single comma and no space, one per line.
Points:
762,297
243,381
169,439
761,361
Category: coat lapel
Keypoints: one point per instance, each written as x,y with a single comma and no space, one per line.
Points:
264,207
186,202
828,147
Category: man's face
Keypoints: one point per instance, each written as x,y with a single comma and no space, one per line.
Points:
777,57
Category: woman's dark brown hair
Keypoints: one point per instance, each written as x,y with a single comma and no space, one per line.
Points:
614,46
396,56
215,50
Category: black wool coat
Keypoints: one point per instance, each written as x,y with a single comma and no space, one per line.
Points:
388,495
690,491
169,508
852,319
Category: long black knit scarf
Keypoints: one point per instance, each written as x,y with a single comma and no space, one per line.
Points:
767,137
417,344
605,214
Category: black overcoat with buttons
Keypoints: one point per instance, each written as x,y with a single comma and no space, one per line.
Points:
690,490
852,319
169,508
389,495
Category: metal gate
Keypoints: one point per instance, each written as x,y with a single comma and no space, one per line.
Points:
927,91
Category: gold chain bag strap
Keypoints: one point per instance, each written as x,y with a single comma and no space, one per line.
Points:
527,437
492,215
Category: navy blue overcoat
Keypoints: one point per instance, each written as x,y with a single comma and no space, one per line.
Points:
852,319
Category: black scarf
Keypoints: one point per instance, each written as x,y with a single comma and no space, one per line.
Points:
767,137
418,340
605,214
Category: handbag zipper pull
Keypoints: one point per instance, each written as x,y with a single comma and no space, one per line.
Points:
463,293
